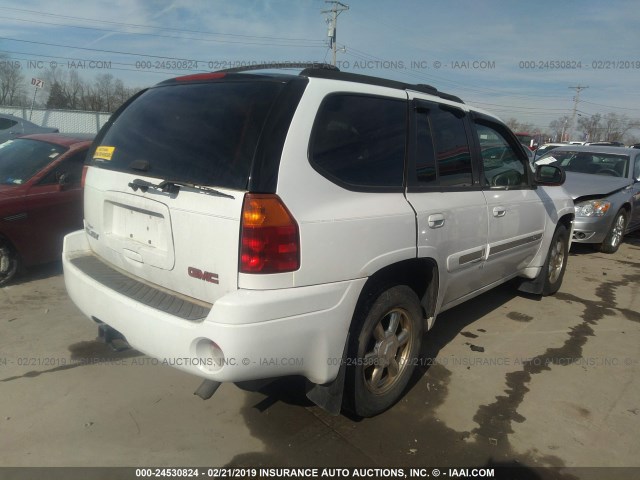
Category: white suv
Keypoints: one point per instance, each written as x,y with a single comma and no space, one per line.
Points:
246,226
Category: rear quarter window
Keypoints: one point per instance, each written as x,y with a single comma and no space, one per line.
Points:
359,141
203,133
6,123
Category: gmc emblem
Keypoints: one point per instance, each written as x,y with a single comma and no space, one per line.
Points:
200,275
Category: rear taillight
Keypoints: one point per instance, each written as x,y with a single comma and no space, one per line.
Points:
269,237
84,175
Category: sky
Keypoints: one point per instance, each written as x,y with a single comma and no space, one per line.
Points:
513,58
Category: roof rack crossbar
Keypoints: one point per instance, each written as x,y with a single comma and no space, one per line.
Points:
278,65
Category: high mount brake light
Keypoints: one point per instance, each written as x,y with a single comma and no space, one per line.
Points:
200,76
269,236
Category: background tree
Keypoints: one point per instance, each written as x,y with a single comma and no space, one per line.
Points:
560,127
57,98
590,127
12,85
616,127
67,90
517,126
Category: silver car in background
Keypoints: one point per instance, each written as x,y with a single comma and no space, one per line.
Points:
605,185
12,127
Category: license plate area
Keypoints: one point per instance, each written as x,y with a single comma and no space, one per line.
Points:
142,226
139,229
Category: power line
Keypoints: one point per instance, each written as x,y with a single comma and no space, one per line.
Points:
440,80
611,106
107,51
111,63
158,35
94,49
136,25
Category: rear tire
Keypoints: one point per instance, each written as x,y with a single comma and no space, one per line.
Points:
383,350
556,263
613,239
9,262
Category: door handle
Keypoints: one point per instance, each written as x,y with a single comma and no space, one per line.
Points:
499,211
436,220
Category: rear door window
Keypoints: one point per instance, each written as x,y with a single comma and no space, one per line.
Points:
203,133
442,153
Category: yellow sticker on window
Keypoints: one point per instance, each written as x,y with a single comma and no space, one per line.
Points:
104,153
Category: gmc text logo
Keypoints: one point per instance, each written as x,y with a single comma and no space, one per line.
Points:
200,275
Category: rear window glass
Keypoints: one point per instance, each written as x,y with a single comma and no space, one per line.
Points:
199,133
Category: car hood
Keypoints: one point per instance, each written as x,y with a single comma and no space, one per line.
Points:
587,184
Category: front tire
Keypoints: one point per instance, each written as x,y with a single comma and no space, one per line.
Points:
9,262
383,351
613,239
556,263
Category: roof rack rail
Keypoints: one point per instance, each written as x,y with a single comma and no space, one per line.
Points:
335,74
274,65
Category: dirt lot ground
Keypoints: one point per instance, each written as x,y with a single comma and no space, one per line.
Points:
508,380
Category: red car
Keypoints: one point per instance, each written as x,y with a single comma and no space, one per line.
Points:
40,197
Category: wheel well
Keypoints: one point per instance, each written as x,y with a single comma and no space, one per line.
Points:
567,220
9,243
5,239
419,274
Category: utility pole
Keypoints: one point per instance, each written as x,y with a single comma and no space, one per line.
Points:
336,9
576,99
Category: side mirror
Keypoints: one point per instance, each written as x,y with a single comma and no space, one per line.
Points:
550,175
64,181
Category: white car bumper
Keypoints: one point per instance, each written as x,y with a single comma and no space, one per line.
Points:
247,334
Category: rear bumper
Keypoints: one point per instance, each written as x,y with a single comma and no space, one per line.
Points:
247,334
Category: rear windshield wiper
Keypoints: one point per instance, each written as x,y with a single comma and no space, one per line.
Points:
173,187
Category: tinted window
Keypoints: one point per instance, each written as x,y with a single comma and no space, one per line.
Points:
636,172
360,140
200,133
443,157
71,167
502,166
588,162
21,159
5,123
425,158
